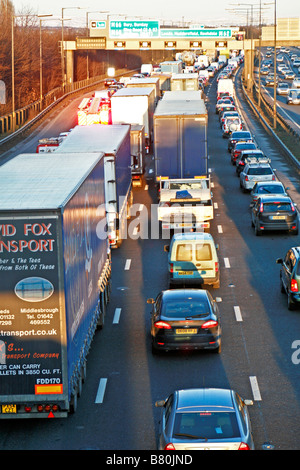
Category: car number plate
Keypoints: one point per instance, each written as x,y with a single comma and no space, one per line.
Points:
277,217
9,409
185,273
187,331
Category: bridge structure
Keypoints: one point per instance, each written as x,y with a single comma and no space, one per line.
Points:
148,35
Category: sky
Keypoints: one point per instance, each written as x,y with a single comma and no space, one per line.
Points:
202,12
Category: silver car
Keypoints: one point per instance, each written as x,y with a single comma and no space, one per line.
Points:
205,419
282,88
254,172
293,96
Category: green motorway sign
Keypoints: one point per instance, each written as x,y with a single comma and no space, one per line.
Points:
133,29
195,33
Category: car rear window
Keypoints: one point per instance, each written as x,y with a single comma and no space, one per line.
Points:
203,252
270,189
259,171
184,252
277,207
245,147
244,135
206,425
181,309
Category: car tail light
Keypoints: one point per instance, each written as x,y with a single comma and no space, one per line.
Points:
209,324
169,446
162,325
273,178
27,408
216,266
261,208
294,285
293,207
244,446
246,178
171,267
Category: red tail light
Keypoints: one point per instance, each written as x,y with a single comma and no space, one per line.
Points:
246,178
169,446
273,178
171,268
216,266
294,285
261,208
293,207
209,324
162,325
244,446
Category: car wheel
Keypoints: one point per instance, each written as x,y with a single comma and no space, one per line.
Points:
256,230
291,305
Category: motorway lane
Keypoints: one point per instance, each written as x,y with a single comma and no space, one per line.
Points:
258,346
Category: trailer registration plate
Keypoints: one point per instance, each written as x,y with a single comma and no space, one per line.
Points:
9,409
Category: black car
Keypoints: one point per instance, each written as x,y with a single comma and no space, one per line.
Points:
290,276
185,319
274,213
236,136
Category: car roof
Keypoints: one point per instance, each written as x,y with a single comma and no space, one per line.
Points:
183,294
192,236
200,399
259,165
268,183
277,198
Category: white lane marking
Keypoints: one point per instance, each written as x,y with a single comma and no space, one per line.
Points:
101,391
227,264
216,205
238,314
220,229
117,315
255,388
127,265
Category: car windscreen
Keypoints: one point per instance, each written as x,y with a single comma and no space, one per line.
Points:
259,171
206,425
277,207
185,308
270,189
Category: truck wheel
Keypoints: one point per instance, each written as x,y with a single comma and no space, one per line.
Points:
73,403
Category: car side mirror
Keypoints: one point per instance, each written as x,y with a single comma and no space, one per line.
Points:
279,261
248,402
150,301
160,403
167,248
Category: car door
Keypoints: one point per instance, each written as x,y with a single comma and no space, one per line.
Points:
255,210
286,270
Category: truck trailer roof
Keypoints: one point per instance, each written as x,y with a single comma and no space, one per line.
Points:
181,107
134,91
43,181
97,138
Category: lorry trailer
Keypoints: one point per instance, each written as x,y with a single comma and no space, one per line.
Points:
114,142
55,279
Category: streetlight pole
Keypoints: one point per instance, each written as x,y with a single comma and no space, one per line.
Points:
62,42
41,17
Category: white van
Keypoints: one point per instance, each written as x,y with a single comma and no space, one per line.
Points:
193,259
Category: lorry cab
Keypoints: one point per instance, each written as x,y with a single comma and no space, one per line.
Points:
193,259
